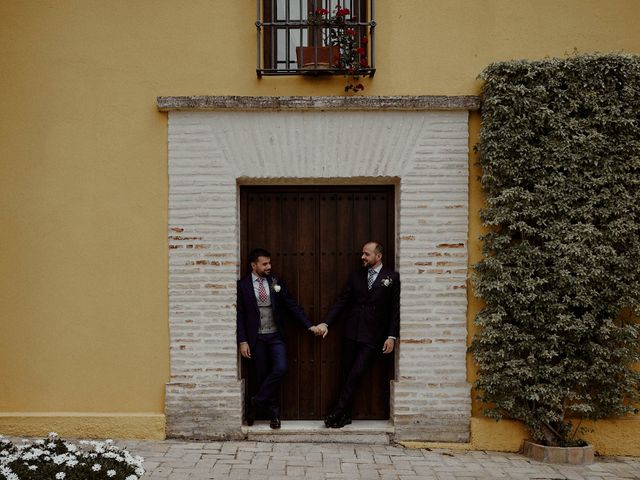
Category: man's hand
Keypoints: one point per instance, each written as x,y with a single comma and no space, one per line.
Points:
245,351
389,343
322,329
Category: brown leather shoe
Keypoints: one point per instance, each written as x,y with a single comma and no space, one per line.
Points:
275,423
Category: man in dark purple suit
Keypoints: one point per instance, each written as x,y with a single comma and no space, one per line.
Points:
372,297
261,305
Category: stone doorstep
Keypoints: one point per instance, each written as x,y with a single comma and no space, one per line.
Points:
372,432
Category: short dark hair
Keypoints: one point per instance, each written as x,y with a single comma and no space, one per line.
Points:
378,247
258,252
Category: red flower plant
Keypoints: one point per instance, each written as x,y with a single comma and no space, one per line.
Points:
340,30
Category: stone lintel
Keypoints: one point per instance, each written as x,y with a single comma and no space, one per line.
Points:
377,103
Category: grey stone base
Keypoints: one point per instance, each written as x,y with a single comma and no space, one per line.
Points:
438,427
204,411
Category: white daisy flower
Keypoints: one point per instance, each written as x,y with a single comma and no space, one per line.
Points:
60,475
96,467
111,473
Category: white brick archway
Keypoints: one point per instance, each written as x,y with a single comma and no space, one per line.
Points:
423,150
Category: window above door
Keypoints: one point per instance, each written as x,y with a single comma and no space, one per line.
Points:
314,37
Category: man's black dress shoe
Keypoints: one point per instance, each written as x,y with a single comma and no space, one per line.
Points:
341,421
251,411
330,419
275,423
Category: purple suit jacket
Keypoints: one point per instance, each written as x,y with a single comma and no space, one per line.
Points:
373,315
248,315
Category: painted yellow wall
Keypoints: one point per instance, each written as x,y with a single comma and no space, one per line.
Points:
83,163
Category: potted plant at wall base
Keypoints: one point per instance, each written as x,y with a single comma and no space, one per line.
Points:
336,46
558,338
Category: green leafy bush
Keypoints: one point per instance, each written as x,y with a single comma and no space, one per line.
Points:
560,154
54,458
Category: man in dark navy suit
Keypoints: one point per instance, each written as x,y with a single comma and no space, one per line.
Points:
261,305
372,297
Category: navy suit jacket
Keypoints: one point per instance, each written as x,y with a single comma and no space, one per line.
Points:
248,314
373,314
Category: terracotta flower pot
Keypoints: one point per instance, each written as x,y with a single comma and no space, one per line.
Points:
570,455
327,57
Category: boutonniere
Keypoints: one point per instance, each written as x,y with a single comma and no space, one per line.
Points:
387,281
274,285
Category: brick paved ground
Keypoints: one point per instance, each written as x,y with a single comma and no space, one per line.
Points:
177,460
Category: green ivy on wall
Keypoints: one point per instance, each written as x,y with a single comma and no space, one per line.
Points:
560,278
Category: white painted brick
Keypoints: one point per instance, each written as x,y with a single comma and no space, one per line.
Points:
210,151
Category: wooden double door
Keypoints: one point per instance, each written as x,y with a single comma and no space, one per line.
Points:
315,235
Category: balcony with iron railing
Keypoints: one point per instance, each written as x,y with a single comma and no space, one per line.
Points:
315,37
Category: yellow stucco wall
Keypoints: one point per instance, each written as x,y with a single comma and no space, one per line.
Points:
83,166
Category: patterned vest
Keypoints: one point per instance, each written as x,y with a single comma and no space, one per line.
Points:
267,324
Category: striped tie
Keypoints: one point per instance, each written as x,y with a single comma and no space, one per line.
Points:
372,273
262,293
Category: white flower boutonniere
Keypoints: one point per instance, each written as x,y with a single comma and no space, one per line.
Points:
387,281
274,285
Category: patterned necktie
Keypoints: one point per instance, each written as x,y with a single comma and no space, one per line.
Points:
262,292
372,272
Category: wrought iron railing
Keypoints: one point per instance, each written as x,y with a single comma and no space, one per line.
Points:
315,37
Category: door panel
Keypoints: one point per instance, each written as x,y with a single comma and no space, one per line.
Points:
315,234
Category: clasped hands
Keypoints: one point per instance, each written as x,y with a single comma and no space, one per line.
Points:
322,330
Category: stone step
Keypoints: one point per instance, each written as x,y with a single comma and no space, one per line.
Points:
372,432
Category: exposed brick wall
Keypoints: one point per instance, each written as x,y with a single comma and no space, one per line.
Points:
210,151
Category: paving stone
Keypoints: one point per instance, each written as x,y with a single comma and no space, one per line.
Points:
276,461
295,472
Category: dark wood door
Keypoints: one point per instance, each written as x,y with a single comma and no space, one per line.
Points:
315,235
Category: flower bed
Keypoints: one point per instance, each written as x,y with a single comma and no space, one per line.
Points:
54,458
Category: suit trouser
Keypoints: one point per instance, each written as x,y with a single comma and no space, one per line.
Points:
357,357
270,359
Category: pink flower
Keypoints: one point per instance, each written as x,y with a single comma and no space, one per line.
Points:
365,40
342,12
360,51
321,11
364,63
351,31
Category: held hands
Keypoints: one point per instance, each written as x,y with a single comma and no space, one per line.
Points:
320,330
